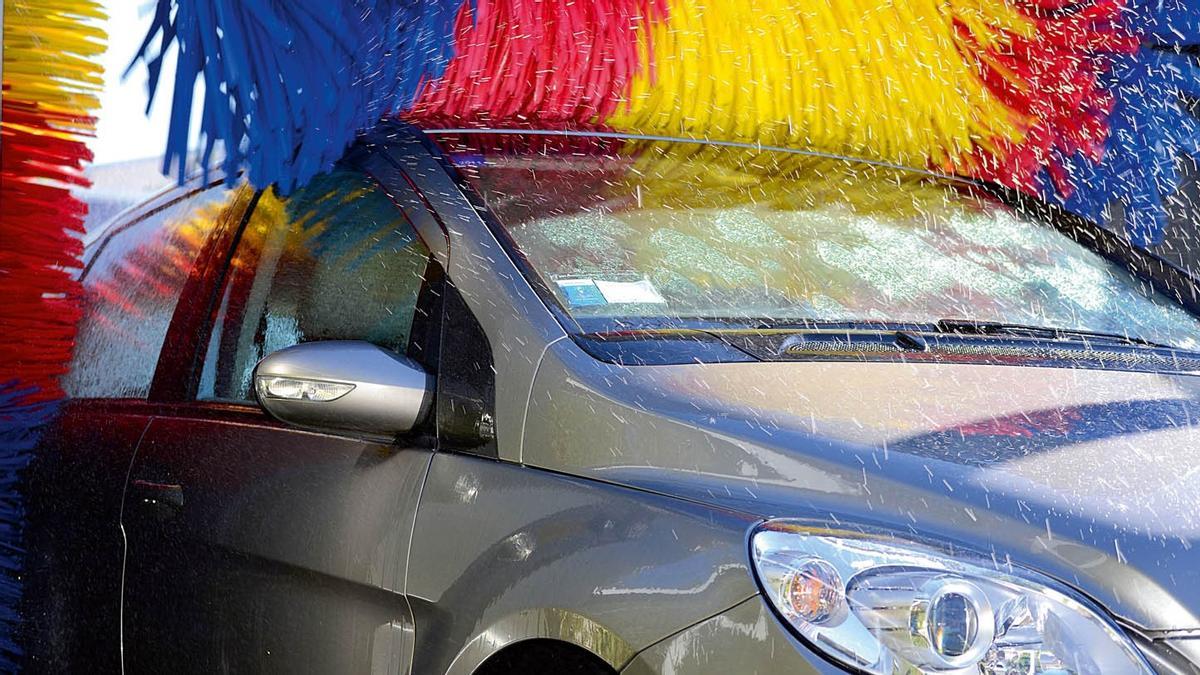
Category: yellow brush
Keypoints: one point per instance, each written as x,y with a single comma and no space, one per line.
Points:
893,80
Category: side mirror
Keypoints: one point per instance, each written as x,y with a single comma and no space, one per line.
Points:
344,386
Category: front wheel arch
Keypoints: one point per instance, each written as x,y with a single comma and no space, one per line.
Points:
538,630
541,656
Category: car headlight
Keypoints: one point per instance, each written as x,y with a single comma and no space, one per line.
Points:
888,607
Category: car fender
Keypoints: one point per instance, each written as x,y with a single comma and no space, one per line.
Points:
503,553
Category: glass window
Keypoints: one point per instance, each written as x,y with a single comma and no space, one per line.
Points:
625,234
334,261
131,287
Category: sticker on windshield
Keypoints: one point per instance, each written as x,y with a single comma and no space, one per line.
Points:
581,292
593,292
630,292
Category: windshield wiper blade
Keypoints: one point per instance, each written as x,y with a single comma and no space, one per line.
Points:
972,327
949,326
829,326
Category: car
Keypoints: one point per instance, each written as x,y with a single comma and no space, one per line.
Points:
483,401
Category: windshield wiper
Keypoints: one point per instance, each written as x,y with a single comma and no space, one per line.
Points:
964,327
971,327
909,333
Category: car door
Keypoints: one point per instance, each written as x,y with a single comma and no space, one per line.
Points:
253,546
136,276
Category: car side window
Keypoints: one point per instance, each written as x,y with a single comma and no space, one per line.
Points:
337,260
131,286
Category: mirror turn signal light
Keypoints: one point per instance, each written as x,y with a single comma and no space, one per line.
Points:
299,389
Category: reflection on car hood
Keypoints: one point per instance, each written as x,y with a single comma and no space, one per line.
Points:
1090,476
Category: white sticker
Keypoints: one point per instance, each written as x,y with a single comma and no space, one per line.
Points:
630,292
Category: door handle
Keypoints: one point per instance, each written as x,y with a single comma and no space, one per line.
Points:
153,493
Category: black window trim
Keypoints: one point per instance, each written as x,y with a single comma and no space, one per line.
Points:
175,374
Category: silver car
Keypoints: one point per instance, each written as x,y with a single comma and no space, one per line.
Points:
483,402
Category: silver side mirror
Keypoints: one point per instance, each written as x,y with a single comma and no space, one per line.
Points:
344,386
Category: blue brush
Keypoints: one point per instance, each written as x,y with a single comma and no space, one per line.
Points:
1151,131
287,85
21,424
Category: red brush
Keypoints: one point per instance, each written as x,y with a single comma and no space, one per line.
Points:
40,226
1059,71
559,63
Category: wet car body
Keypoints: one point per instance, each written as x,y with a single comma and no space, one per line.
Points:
596,490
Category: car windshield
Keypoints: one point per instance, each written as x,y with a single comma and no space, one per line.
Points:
629,234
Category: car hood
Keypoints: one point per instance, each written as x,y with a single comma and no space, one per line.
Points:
1091,476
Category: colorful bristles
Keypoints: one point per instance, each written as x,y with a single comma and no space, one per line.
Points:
49,93
1038,95
287,86
850,77
556,63
1151,131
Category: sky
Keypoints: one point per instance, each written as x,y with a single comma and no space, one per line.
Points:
124,131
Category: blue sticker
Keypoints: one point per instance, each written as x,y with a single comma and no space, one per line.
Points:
581,292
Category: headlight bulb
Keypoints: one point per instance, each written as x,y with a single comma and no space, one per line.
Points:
937,621
956,623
